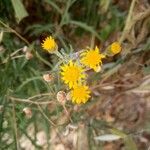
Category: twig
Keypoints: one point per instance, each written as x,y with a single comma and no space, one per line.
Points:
31,102
11,58
39,95
67,113
45,116
15,32
15,52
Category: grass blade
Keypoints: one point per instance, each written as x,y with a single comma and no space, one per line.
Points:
20,11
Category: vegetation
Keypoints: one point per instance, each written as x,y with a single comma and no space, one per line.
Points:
35,107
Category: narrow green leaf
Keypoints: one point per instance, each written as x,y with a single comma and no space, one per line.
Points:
118,132
129,143
85,27
28,81
20,11
53,5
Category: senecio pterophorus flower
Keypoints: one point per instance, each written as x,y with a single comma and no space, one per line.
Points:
115,48
92,58
80,94
72,74
49,44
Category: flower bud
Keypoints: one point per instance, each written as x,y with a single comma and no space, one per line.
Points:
28,112
29,55
115,48
61,97
25,49
48,77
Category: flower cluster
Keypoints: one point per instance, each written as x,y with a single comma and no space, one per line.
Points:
73,72
74,76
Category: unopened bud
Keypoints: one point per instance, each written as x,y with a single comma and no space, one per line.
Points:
61,97
28,112
28,55
25,49
48,77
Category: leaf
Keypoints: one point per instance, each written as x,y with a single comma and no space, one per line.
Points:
107,137
118,132
20,11
129,143
54,5
85,27
104,5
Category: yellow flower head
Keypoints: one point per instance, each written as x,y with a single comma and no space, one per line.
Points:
92,58
72,74
115,48
49,44
80,94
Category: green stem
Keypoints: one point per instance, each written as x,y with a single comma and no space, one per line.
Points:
17,34
57,53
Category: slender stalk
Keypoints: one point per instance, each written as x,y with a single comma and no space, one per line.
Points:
11,58
15,52
15,32
57,53
15,126
45,116
40,95
67,113
29,101
128,20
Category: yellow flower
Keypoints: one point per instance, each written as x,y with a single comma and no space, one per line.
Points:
115,48
72,74
80,94
49,44
92,58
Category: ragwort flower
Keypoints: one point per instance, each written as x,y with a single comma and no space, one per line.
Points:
72,74
92,58
80,94
115,48
49,44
